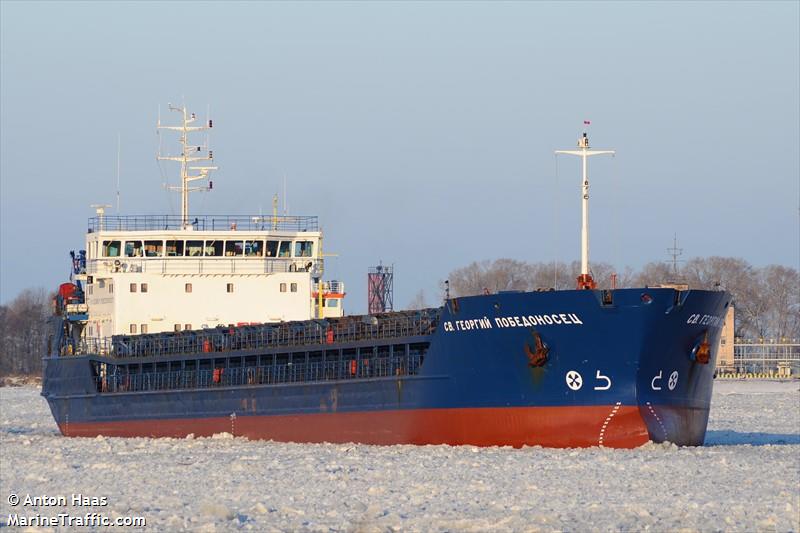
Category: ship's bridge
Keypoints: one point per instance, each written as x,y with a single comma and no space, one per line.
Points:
208,245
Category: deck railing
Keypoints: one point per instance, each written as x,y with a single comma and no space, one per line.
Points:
262,375
261,337
206,265
204,223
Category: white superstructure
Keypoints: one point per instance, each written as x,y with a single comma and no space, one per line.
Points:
150,274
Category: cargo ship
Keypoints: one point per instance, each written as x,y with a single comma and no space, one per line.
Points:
199,325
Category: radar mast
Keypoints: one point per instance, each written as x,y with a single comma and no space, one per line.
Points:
190,153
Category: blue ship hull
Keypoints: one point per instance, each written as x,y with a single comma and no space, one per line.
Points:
558,368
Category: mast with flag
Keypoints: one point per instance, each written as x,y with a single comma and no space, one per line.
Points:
585,280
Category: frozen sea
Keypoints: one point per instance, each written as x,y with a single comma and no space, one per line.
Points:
746,478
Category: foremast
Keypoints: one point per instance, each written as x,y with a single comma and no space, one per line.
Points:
585,280
190,153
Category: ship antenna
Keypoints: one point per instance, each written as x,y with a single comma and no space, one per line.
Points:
675,252
119,143
585,280
189,154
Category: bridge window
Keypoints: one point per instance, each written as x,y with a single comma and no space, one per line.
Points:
187,287
234,248
174,248
133,249
176,327
187,327
230,287
133,287
153,248
283,287
294,287
285,249
144,287
254,248
214,248
332,302
133,328
143,328
303,248
272,248
111,248
194,248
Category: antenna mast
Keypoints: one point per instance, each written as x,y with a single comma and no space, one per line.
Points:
585,280
675,252
189,154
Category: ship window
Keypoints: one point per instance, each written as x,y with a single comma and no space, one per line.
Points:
143,328
230,287
133,328
91,331
214,248
144,287
283,287
133,287
272,248
303,248
194,248
187,287
254,248
294,287
285,249
174,248
187,327
89,289
153,248
234,248
110,287
101,283
177,327
111,248
332,302
133,248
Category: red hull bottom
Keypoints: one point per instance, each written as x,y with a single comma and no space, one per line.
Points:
558,427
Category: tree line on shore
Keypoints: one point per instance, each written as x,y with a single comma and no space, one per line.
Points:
767,299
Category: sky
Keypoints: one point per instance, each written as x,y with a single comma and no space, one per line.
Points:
422,134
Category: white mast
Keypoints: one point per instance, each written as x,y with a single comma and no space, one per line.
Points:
585,280
198,153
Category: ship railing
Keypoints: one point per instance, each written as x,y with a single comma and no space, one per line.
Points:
91,345
206,265
263,336
381,367
204,223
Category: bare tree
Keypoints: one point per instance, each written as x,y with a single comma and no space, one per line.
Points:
781,294
492,276
419,301
23,332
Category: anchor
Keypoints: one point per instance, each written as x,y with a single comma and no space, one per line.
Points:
537,357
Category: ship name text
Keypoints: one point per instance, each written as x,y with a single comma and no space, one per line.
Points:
512,322
706,320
